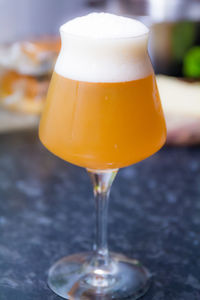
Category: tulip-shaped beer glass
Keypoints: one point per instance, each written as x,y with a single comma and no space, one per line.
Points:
103,112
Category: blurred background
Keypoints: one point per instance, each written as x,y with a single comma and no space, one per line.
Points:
29,45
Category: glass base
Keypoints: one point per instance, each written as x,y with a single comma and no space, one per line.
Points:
77,277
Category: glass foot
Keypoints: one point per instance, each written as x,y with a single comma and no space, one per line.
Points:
76,277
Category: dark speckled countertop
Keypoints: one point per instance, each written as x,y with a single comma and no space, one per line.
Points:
46,212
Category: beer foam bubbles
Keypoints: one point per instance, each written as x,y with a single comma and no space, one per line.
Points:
102,47
104,25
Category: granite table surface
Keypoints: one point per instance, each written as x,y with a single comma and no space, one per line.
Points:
47,212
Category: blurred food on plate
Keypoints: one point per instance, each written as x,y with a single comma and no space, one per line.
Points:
175,52
25,70
181,105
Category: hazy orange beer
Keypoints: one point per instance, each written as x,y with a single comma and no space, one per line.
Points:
103,112
103,125
103,109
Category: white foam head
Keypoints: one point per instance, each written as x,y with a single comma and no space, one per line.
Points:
104,25
102,47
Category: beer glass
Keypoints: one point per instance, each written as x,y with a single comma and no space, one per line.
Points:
103,112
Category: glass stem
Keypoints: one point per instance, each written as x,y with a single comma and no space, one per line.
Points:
102,181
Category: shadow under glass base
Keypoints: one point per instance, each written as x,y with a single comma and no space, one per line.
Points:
75,277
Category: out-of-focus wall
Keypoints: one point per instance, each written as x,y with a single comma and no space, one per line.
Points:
21,19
